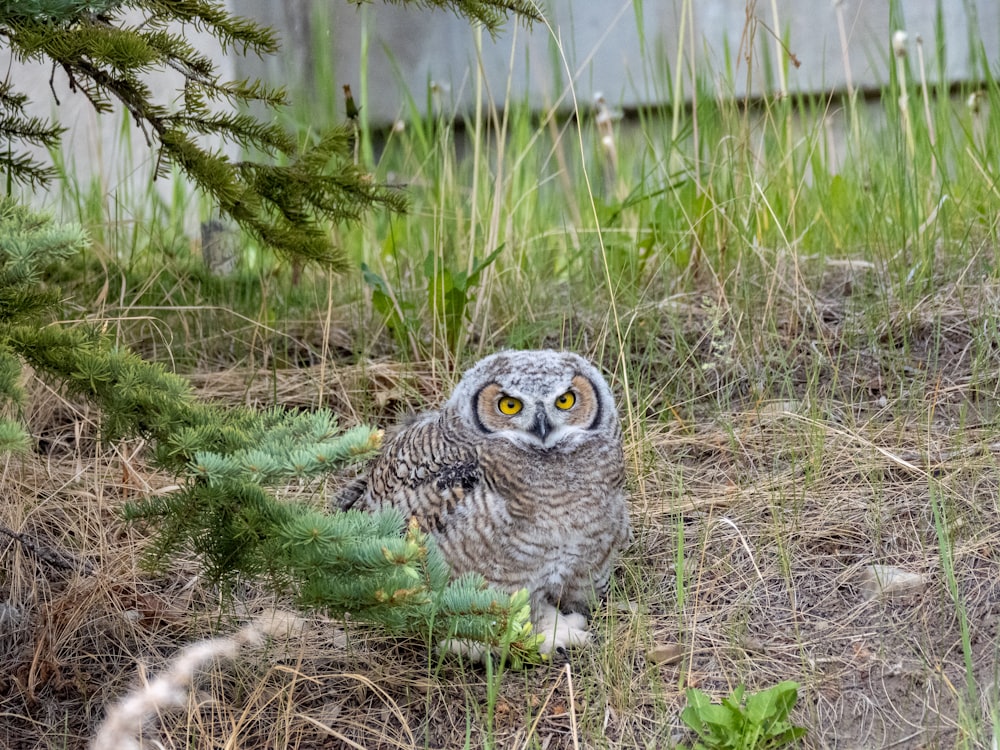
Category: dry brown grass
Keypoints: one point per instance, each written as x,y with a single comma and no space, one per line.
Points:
779,504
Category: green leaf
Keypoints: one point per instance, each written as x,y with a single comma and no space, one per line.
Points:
773,704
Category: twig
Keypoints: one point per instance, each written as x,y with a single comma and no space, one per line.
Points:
541,713
572,707
54,557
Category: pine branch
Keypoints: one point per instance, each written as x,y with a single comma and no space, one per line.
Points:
286,207
106,61
13,437
57,558
490,13
17,127
375,566
232,32
54,11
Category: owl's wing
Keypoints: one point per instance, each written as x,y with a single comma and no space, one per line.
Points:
424,470
349,495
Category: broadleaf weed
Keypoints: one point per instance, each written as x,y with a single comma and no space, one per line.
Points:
743,722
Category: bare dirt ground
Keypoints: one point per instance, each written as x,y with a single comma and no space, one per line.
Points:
755,526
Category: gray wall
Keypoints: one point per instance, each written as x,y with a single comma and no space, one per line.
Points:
605,53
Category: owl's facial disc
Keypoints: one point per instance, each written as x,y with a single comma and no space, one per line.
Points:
539,417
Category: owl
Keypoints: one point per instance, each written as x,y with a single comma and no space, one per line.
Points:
519,477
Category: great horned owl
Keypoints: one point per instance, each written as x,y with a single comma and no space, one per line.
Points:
519,477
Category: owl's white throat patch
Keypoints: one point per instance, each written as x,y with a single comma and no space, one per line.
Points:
559,438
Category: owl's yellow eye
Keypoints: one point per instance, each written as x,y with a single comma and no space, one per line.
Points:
566,401
509,405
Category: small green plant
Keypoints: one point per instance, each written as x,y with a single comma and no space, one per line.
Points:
399,315
759,721
450,290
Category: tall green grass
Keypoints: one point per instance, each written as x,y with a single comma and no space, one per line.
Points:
523,227
746,210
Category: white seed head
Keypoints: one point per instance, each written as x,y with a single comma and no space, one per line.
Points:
974,102
899,39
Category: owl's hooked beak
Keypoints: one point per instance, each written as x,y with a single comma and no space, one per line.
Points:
541,425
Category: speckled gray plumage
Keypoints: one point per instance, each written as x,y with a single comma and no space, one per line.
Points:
541,507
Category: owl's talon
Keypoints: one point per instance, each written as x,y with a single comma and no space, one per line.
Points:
471,650
560,631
